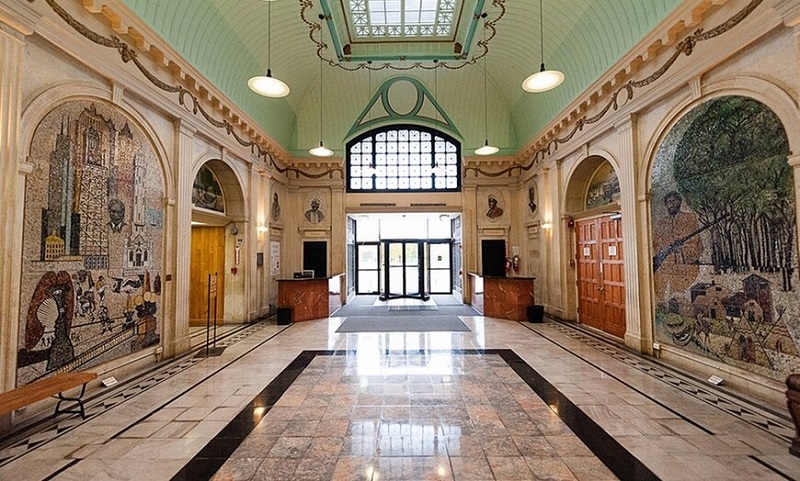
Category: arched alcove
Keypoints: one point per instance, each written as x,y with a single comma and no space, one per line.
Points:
595,244
219,225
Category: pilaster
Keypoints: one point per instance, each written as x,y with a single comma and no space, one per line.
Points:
634,318
338,231
12,188
469,236
180,208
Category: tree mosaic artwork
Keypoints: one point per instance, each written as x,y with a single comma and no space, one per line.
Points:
91,280
724,246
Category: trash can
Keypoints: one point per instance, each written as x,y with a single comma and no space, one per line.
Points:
535,313
284,316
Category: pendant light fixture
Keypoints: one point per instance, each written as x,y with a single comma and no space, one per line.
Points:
486,149
267,85
543,80
321,150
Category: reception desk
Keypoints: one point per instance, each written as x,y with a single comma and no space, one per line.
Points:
501,297
311,298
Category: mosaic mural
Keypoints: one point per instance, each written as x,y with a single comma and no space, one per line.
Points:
603,188
91,277
206,191
724,243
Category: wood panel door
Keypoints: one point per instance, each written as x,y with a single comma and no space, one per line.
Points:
612,273
208,257
601,281
590,309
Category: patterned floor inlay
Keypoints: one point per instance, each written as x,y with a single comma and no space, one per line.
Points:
456,414
780,427
31,437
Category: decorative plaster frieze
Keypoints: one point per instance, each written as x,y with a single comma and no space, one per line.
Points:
201,100
617,88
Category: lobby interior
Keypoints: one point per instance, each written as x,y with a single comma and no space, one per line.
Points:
646,205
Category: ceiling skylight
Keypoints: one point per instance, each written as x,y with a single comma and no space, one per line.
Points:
402,18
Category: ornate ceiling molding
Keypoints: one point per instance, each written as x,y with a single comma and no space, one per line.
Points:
625,92
194,97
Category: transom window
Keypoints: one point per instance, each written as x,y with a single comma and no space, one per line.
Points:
402,18
404,159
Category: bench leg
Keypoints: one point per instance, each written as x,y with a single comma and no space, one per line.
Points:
77,402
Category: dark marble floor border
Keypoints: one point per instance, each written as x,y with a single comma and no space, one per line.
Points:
618,459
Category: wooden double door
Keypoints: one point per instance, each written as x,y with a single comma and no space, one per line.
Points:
208,258
601,280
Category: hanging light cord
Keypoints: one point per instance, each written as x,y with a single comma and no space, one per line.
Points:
320,99
485,94
269,38
541,32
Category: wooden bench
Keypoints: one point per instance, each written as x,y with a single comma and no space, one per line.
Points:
47,387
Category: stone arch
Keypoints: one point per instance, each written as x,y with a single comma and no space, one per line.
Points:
580,175
49,99
726,213
232,237
597,164
230,181
781,102
94,211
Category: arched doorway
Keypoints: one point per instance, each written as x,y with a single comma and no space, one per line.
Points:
216,273
593,206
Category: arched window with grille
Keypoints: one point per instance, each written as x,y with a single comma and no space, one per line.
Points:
406,158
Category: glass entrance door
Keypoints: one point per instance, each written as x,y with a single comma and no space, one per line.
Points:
439,267
368,268
404,266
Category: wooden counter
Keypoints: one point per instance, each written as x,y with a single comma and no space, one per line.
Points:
502,297
312,298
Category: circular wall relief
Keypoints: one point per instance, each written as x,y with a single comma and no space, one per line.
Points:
402,98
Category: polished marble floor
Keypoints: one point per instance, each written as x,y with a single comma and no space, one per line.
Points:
504,401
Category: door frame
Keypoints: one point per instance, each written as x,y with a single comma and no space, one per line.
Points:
607,281
421,262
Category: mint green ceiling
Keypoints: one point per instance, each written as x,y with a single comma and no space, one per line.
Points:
227,41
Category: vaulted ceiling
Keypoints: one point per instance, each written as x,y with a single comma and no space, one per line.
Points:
229,41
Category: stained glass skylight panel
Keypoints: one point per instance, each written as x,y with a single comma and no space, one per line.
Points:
402,18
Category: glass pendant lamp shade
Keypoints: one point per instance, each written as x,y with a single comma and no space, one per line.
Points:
486,149
321,151
544,79
268,86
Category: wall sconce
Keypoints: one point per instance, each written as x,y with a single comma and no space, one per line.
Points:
262,229
547,225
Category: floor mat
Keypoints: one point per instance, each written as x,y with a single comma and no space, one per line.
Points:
403,324
414,308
